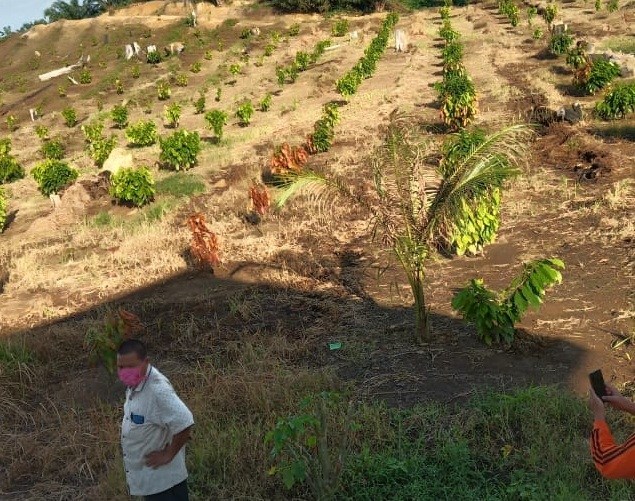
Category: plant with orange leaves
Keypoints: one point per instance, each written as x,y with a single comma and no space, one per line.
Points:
288,159
204,244
260,200
102,342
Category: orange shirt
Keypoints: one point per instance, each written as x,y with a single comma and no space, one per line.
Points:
611,460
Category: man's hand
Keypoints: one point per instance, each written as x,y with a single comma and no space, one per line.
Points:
597,406
616,400
159,458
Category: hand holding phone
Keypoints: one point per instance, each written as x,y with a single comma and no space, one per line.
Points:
597,383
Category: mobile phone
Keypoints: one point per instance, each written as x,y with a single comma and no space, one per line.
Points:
597,383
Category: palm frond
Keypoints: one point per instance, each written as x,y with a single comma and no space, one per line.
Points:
320,188
487,165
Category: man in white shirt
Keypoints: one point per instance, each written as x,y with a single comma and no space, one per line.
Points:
156,425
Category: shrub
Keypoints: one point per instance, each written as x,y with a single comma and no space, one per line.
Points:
244,113
119,115
199,104
180,150
602,73
560,44
10,169
495,313
294,30
163,91
550,13
269,48
348,84
135,71
235,69
324,129
154,57
245,34
531,13
219,92
42,132
53,175
196,67
12,123
216,120
447,33
181,79
53,149
598,5
143,133
302,60
85,77
132,186
537,34
452,54
613,5
3,209
340,28
444,12
209,55
70,117
172,114
618,103
99,147
458,99
265,104
118,86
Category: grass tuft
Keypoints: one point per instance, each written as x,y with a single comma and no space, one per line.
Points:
180,185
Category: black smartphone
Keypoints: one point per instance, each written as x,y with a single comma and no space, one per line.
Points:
597,383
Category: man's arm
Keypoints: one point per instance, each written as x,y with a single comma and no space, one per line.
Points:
159,458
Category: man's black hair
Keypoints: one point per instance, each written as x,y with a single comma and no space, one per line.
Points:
133,346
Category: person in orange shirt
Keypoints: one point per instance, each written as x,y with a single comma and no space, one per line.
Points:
611,460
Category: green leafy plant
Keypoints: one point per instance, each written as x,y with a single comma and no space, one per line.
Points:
142,133
42,132
163,91
612,6
537,34
550,13
511,10
180,150
53,149
135,72
235,69
302,60
209,55
294,30
244,113
269,48
495,313
53,175
10,169
348,84
448,33
413,209
4,204
172,113
265,104
180,79
312,446
119,115
617,103
61,90
99,146
532,12
85,76
118,86
154,57
324,129
444,12
340,28
132,186
12,122
577,57
216,120
598,5
219,92
70,117
199,104
602,73
103,341
196,67
560,44
245,34
457,95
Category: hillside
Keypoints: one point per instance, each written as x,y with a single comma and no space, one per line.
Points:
251,337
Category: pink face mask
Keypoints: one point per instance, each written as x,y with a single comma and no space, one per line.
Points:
131,376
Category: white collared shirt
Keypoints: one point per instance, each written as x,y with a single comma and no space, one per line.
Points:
152,415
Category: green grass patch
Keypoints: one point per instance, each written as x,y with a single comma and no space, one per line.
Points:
180,185
14,354
621,44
